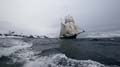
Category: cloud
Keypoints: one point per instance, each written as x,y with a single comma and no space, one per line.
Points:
43,16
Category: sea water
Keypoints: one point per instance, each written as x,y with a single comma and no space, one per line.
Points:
82,52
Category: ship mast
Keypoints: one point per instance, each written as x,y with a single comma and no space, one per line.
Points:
68,27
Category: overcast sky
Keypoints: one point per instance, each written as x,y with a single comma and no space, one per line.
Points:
44,16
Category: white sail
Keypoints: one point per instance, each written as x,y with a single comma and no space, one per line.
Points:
68,28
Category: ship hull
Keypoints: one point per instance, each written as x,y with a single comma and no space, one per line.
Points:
69,37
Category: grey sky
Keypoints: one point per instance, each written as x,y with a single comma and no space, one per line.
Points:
43,16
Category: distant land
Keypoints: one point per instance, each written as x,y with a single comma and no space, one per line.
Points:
12,34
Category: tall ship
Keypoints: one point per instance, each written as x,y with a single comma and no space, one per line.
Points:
68,28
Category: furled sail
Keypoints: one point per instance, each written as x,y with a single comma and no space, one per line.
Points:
68,28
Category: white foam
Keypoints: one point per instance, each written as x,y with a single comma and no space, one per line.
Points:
24,55
60,60
15,46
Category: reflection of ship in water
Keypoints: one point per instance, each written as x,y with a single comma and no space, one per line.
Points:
68,28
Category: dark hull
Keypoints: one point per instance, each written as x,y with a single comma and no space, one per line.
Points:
69,37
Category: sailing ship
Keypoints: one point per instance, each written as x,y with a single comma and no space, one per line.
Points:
68,28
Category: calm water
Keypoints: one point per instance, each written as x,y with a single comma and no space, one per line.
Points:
85,52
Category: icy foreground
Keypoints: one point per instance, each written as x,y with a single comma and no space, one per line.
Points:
21,51
60,60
